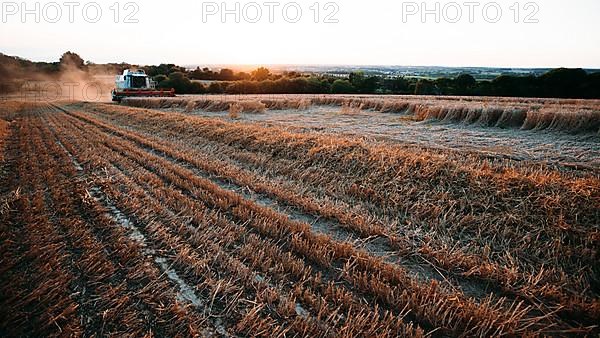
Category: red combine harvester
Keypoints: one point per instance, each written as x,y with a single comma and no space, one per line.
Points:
137,84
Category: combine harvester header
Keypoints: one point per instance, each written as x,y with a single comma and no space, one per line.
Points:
137,84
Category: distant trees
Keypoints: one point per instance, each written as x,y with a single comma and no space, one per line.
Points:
591,87
364,84
70,59
356,79
201,74
465,83
342,87
160,78
180,83
318,86
284,85
261,80
396,85
226,75
205,73
163,69
505,85
215,88
562,83
425,87
261,74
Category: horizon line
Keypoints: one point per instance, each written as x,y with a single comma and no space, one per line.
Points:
320,64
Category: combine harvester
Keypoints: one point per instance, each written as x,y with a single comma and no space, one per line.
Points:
137,84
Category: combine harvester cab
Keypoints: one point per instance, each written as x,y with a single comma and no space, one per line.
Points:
137,84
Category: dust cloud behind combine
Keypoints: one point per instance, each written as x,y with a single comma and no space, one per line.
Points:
69,84
73,84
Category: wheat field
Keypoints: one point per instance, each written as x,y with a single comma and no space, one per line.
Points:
300,216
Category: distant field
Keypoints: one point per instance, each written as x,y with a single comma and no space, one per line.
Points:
312,216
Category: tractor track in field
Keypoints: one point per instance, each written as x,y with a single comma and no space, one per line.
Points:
186,293
90,279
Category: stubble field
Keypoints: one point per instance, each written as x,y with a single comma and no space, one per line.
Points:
300,216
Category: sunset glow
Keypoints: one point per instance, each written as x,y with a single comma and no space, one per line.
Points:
372,33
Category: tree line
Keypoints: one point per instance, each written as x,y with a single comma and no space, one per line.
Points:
560,83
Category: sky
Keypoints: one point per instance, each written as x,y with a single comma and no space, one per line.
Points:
543,34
